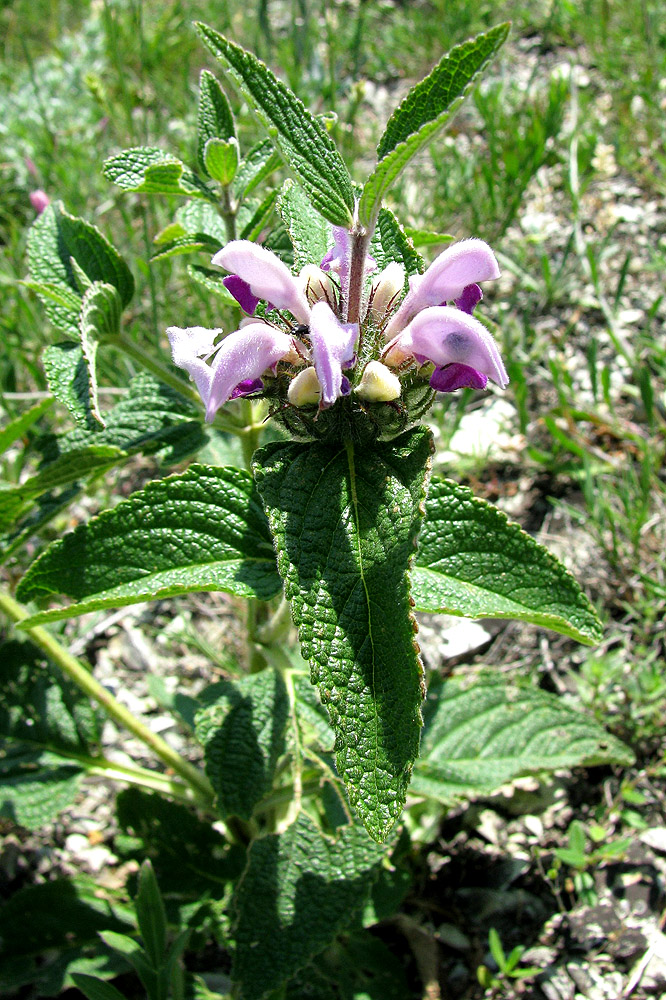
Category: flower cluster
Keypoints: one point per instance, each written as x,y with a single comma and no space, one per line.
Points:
301,351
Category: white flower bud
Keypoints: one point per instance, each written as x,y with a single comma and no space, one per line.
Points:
316,284
386,290
304,389
378,384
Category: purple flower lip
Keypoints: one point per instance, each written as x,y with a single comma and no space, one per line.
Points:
333,344
446,335
457,376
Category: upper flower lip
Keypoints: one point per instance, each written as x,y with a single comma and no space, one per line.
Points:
267,276
465,263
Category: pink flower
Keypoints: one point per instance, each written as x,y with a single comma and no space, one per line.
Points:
39,200
265,276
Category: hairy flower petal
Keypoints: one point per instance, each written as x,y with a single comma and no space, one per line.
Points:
245,354
456,376
242,292
189,347
446,335
458,266
332,344
267,276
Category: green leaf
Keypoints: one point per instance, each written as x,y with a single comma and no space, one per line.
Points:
215,119
424,112
132,952
243,735
472,561
46,727
67,378
64,470
221,158
202,530
201,218
19,426
190,857
425,238
184,245
96,989
262,160
389,243
35,785
150,915
259,218
46,930
152,171
299,891
152,419
58,244
345,520
303,141
99,320
477,738
309,233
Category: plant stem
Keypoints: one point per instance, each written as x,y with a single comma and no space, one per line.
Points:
121,715
360,242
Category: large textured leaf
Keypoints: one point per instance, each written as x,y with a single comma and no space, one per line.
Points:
303,141
479,737
202,530
345,520
35,785
67,377
243,735
61,247
299,891
389,243
424,112
473,561
309,233
153,171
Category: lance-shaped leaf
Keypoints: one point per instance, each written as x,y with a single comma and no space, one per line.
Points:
303,141
243,735
424,112
215,118
345,520
202,530
389,243
20,425
68,379
153,171
63,250
477,738
473,561
262,160
300,889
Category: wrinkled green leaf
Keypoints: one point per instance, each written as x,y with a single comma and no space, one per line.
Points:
473,561
59,245
258,220
67,377
35,785
202,530
309,233
153,171
477,738
190,243
303,141
345,520
199,217
300,889
99,320
243,736
215,118
424,112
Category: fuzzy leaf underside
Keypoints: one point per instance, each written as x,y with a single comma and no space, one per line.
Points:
472,561
302,140
300,890
202,530
243,735
345,520
99,320
477,738
424,112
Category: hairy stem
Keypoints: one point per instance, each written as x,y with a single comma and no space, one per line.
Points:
360,238
121,715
